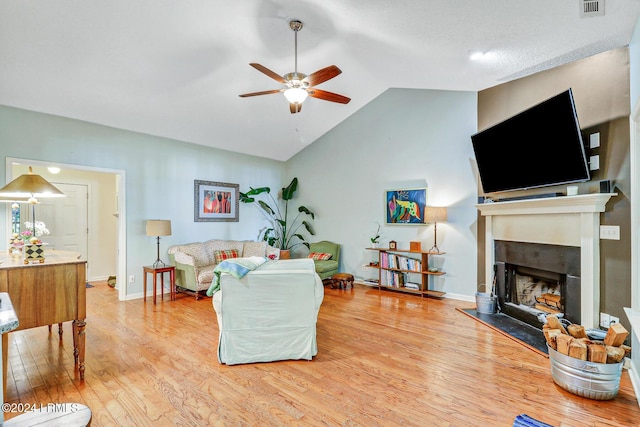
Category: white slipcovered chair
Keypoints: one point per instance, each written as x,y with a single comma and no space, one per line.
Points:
270,313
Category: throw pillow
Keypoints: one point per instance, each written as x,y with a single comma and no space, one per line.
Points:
222,255
319,256
254,249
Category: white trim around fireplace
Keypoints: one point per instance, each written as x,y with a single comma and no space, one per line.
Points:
565,220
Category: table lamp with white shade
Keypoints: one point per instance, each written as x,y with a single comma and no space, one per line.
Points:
157,228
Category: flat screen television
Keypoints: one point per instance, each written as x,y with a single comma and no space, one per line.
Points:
541,146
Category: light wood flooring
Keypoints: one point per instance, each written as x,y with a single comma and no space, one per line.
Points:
384,359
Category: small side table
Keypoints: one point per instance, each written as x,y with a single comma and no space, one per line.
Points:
149,269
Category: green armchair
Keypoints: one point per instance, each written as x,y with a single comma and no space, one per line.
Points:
326,268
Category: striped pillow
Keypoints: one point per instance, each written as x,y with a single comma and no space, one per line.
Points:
319,256
222,255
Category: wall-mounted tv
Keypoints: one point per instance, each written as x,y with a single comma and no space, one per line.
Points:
541,146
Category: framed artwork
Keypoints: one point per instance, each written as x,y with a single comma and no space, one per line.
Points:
215,201
405,206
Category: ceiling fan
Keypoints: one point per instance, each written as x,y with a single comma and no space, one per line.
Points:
298,85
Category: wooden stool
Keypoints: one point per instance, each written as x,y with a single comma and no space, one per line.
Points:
343,280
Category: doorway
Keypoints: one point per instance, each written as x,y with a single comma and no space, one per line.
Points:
94,227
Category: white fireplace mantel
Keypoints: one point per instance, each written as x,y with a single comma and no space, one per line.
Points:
567,221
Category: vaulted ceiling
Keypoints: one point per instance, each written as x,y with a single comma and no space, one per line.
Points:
175,68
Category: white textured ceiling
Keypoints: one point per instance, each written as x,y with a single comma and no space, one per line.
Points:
175,68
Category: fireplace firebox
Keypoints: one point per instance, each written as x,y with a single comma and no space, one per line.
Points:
534,279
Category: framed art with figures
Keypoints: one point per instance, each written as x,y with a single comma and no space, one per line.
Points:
215,201
405,206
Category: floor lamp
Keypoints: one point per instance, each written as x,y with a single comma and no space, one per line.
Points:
435,214
157,228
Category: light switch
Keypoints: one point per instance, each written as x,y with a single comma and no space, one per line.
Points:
594,140
594,163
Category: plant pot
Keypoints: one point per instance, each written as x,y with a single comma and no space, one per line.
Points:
285,254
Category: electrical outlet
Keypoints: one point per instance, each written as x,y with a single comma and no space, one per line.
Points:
594,163
605,319
594,140
613,319
132,279
610,232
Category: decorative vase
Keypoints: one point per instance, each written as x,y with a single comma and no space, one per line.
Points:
374,245
33,252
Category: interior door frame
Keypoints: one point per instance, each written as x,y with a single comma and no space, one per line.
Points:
121,259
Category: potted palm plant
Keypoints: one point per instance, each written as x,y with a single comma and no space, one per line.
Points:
283,230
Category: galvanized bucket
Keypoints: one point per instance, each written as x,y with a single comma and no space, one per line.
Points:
597,381
485,303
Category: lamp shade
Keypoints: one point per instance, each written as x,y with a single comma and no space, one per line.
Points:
296,95
30,185
435,214
158,227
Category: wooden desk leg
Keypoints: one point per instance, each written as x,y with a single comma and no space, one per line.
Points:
79,345
155,281
144,287
162,286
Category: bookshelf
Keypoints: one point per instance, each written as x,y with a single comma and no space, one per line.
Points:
406,271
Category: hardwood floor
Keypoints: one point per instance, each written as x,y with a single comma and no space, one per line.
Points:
384,359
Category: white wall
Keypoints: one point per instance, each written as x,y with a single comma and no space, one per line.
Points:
402,139
160,176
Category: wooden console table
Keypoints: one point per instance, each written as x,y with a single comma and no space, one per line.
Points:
46,294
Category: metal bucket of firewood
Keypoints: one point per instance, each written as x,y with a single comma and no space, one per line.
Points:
597,381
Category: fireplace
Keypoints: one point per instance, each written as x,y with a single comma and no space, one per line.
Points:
567,222
533,280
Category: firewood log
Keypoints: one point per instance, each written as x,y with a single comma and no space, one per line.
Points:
550,335
555,323
627,350
614,354
563,341
597,353
578,349
616,334
576,331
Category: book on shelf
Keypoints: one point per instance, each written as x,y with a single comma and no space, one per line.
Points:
398,262
411,285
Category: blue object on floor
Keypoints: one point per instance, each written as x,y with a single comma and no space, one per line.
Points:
524,420
89,285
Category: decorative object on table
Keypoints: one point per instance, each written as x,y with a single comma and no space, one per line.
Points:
33,247
297,85
435,214
282,232
376,238
393,244
157,228
405,206
415,246
215,201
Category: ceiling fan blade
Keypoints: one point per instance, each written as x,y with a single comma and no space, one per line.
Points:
295,107
328,96
322,75
268,72
264,92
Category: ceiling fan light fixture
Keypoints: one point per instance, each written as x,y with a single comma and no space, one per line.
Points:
295,95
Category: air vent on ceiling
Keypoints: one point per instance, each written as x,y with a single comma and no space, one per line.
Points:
590,8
